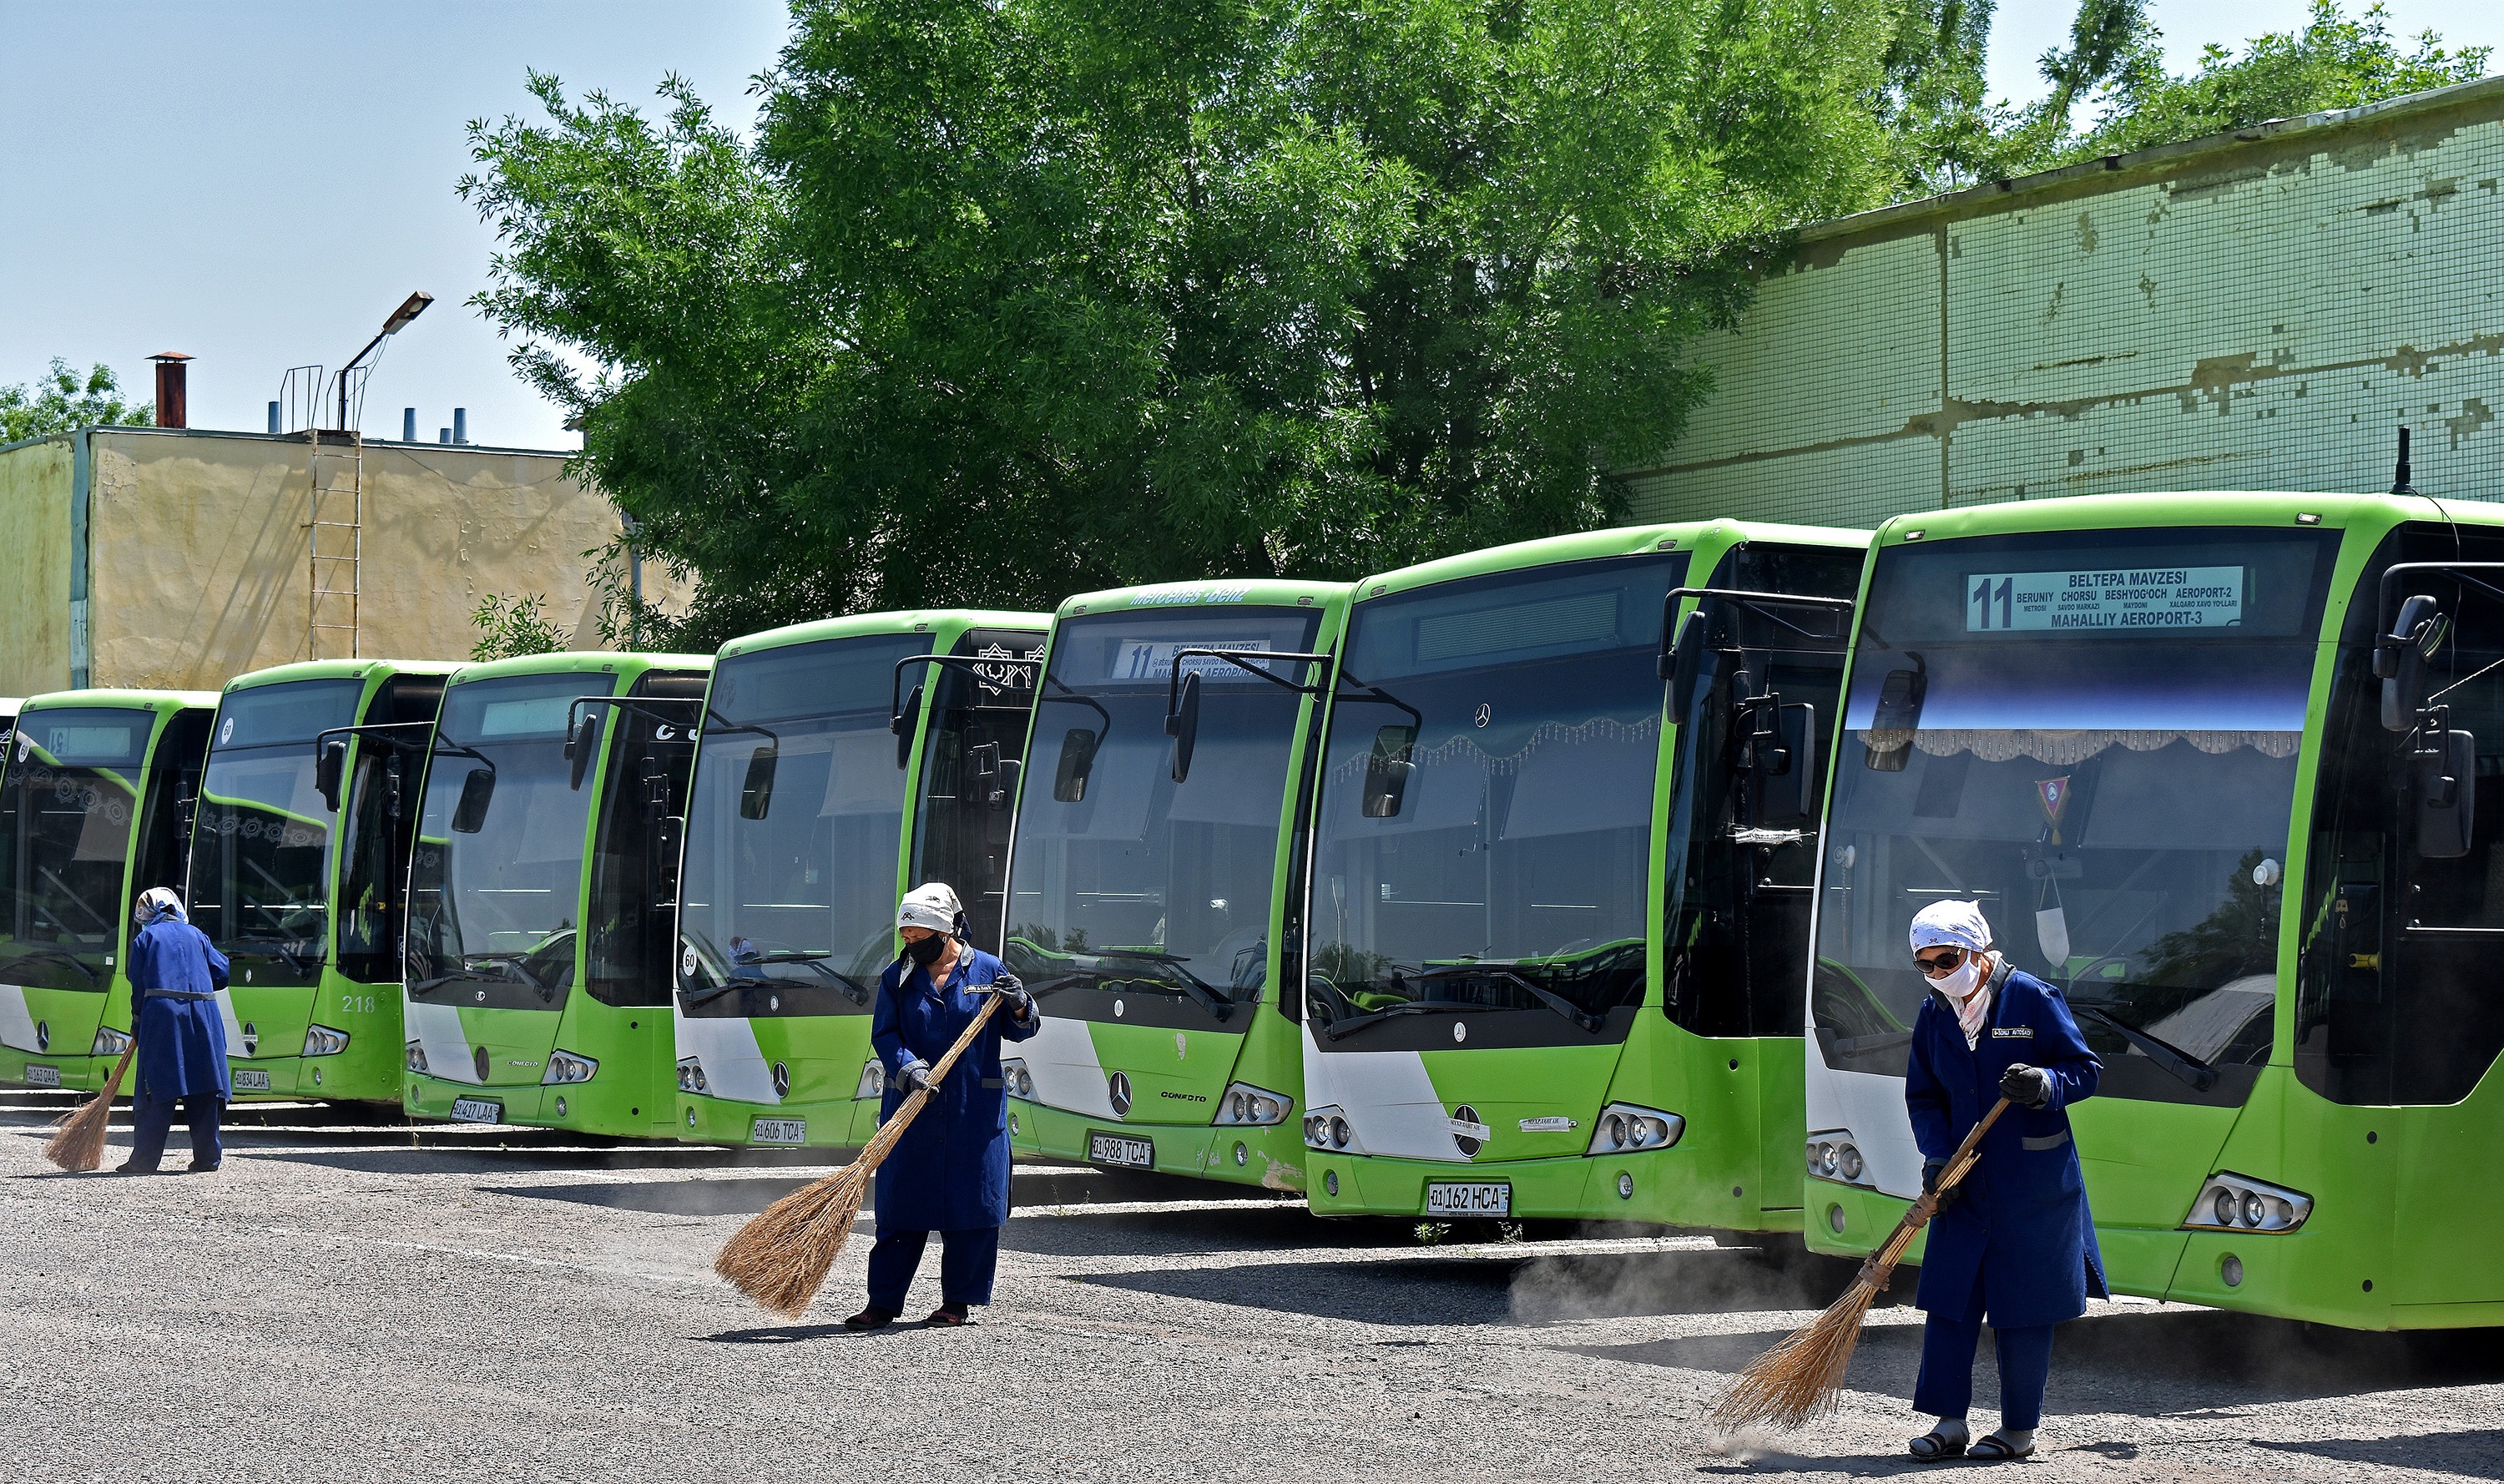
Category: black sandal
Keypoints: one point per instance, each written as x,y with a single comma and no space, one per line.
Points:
1997,1449
872,1318
948,1315
1934,1446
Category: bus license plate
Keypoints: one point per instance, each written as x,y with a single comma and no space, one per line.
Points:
477,1110
1472,1197
777,1132
42,1076
1112,1148
251,1080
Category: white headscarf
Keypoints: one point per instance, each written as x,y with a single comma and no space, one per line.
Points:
1960,924
156,905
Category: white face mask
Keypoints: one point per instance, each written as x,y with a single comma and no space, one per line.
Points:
1967,977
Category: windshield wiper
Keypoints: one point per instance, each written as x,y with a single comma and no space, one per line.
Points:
59,955
1346,1028
2181,1063
1590,1022
853,990
1199,988
286,949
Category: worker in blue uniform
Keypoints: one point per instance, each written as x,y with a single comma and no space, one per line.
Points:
949,1172
175,975
2012,1244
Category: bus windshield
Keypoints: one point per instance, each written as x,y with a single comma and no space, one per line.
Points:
261,845
794,822
1125,883
2093,734
497,876
1485,818
66,806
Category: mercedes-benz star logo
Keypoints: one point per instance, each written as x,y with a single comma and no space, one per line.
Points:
782,1080
1120,1091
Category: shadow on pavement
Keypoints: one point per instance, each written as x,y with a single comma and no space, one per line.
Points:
2477,1454
1032,1186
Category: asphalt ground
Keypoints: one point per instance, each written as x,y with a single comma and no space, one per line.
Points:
349,1301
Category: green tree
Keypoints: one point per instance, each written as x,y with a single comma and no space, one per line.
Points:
1018,297
60,399
509,628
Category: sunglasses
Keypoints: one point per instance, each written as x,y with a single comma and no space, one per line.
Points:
1942,966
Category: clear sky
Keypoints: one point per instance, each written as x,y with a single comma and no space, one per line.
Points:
258,184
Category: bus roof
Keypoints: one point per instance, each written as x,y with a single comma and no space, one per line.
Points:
2205,507
340,669
565,662
136,700
946,621
1620,541
1264,591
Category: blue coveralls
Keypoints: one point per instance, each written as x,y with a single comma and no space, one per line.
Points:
175,975
950,1171
2017,1248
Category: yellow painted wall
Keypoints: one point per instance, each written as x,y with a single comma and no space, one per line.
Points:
35,568
201,571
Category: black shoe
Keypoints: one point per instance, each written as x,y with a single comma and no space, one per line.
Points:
947,1315
134,1168
872,1318
198,1168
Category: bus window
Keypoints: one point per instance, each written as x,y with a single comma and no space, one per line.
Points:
976,739
634,870
2395,1003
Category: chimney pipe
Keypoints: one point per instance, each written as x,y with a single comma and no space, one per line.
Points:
443,435
173,404
273,417
460,425
409,424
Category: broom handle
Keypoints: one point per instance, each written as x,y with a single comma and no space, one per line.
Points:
1967,1154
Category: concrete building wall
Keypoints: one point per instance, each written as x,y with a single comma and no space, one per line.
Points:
35,568
199,567
2258,311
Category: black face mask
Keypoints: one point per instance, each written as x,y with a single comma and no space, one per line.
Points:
926,952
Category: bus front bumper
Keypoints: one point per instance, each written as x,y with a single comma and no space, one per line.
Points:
1266,1155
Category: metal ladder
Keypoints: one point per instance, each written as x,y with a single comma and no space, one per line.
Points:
337,542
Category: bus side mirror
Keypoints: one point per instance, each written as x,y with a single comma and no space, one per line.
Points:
1386,770
756,789
1899,713
469,816
1787,767
1183,726
2400,660
2447,789
901,724
580,741
330,764
1077,760
1683,666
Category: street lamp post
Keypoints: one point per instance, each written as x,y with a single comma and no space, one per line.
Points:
410,308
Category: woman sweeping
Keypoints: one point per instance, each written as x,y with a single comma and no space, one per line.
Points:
2013,1244
950,1171
175,975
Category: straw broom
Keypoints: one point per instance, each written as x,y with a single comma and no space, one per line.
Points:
1801,1378
78,1139
782,1256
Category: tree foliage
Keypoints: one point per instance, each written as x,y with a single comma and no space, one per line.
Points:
62,399
509,628
1009,300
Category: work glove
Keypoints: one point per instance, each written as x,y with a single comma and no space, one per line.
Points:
1021,1005
2026,1087
915,1078
1941,1199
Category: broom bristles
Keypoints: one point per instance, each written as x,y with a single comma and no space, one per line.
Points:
77,1144
1801,1378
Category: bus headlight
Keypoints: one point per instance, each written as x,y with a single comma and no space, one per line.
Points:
1328,1128
2231,1202
873,1081
1245,1106
565,1067
416,1056
1834,1155
108,1042
691,1077
1014,1078
322,1041
1625,1127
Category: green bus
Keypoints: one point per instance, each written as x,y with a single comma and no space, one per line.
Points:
300,859
95,805
2222,768
821,795
1153,887
535,978
1555,924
